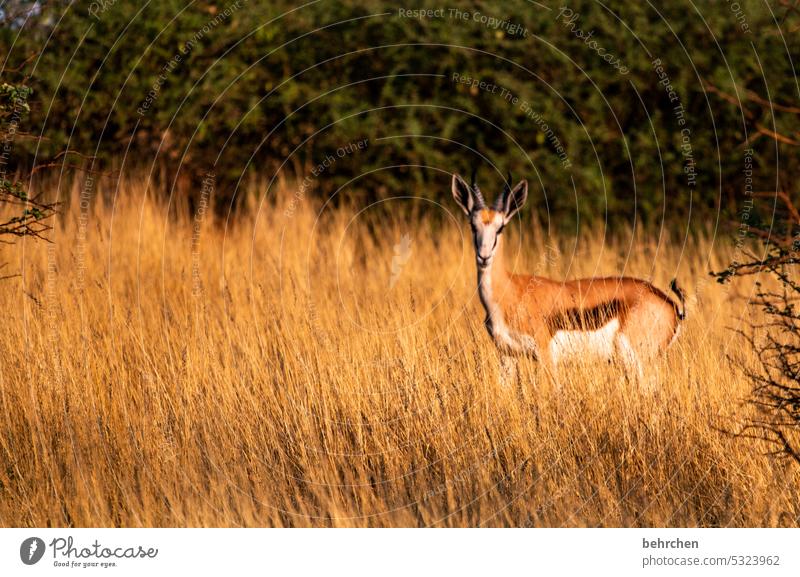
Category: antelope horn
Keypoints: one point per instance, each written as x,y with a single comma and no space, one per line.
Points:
476,192
500,200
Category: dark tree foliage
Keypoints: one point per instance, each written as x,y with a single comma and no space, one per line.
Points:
271,88
776,339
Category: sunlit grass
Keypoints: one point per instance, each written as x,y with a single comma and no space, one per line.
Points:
267,375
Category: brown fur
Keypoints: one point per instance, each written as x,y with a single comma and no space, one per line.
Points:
538,306
487,215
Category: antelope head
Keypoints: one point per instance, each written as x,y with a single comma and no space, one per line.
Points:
488,223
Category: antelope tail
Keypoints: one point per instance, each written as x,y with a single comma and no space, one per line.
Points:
673,286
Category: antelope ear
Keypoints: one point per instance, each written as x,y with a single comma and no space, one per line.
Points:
514,199
462,192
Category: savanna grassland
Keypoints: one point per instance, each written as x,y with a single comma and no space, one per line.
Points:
282,369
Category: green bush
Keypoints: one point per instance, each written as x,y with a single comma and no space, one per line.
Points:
272,87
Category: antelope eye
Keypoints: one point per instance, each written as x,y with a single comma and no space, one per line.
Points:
500,230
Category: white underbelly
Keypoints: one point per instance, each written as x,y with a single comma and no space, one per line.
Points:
576,346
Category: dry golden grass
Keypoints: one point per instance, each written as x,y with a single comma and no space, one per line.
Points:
266,375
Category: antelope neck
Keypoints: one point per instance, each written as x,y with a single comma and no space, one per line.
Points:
492,281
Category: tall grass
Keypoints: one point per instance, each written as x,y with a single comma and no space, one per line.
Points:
260,371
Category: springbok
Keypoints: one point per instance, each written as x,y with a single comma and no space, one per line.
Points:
620,319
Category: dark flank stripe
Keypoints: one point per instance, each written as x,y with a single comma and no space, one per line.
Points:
586,319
